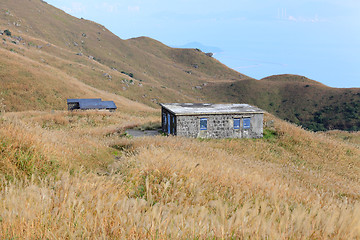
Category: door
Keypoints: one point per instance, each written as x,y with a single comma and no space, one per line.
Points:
237,130
168,117
246,127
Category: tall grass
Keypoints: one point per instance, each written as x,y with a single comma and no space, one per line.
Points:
294,185
2,106
23,155
89,206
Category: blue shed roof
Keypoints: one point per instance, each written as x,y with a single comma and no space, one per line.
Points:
109,104
93,103
83,100
97,105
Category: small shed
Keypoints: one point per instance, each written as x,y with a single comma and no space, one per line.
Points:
90,103
212,120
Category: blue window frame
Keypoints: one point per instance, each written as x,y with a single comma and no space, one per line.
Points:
246,123
203,124
236,123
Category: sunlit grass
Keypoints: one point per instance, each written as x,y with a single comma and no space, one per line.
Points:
292,184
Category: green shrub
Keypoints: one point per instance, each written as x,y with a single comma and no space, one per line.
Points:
129,74
25,159
269,134
7,32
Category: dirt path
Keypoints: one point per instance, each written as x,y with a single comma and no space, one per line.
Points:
140,133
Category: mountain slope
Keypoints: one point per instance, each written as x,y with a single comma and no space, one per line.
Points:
164,73
144,70
297,99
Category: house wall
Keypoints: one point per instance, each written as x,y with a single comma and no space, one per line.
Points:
165,126
220,126
73,106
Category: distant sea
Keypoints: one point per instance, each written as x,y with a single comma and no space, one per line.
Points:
333,62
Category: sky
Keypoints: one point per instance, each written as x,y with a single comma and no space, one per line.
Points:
319,39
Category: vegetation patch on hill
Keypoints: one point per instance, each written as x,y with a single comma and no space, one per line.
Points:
296,99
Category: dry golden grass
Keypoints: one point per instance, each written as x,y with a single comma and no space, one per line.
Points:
292,185
77,138
348,137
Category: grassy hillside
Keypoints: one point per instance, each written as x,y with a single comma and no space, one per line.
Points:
140,69
51,50
76,175
296,99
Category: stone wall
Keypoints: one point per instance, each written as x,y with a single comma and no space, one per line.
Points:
220,126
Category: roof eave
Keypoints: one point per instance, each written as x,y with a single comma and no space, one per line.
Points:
215,113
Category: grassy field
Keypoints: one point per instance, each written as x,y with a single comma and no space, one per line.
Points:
77,175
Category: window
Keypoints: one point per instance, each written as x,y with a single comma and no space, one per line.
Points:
246,123
203,124
236,123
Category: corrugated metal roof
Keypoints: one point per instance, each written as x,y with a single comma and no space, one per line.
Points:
109,104
207,108
93,103
97,105
83,100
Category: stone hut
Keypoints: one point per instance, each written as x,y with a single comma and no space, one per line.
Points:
212,120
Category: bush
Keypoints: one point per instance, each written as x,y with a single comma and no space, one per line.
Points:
7,32
270,134
22,158
129,74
